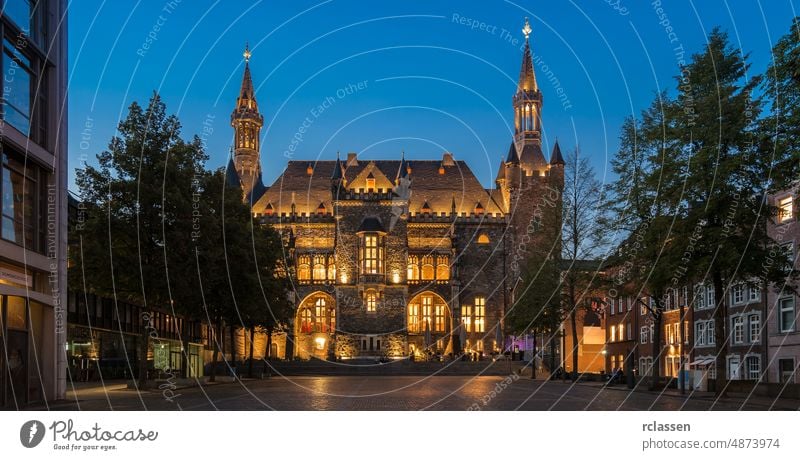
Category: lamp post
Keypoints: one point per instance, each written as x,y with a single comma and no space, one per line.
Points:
563,354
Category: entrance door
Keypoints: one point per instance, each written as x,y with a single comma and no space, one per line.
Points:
734,372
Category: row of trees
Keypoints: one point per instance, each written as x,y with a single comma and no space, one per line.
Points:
162,231
690,201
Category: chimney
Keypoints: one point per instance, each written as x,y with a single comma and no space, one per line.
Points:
447,159
352,159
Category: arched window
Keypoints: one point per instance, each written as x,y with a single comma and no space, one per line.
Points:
413,268
319,268
483,238
442,268
371,300
427,268
303,268
305,320
319,315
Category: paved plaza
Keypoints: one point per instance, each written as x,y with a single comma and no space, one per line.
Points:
404,393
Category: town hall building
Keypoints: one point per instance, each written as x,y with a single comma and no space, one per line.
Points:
392,258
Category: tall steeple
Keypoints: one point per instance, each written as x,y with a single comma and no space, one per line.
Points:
247,123
527,104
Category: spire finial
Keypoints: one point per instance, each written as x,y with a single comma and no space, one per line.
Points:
247,52
527,29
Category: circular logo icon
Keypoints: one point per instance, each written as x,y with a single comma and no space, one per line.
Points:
31,433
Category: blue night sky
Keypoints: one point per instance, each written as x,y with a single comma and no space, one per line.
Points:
429,81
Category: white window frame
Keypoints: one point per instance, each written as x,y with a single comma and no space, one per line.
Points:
752,372
785,209
737,294
643,334
737,329
711,337
754,327
783,328
754,293
700,334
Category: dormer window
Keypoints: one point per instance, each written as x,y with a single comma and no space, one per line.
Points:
371,184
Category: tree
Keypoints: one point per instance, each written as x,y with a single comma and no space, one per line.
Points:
138,216
583,237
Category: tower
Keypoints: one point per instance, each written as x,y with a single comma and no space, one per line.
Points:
246,122
527,103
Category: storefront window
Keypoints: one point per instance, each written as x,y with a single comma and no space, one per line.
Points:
21,219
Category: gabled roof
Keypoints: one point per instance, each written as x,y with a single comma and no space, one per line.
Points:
371,224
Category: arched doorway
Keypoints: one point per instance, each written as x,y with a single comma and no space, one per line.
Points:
315,325
428,322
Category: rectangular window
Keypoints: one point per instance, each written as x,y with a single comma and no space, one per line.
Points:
466,317
785,209
788,251
440,318
711,338
372,301
621,332
711,298
630,303
480,314
668,334
755,328
23,215
786,370
427,311
371,255
737,294
613,333
629,331
734,368
643,334
754,293
700,334
753,367
611,303
413,317
700,298
686,332
652,333
738,329
786,314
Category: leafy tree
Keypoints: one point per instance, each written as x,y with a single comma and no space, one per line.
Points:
138,216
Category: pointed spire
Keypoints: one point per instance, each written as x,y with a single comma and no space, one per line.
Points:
501,172
403,170
453,205
247,95
556,158
513,157
337,169
527,79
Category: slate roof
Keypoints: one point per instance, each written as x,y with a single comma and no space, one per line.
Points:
308,191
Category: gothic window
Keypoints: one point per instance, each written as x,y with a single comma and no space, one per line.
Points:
413,268
304,268
427,268
319,268
413,317
442,268
480,314
371,254
439,318
305,320
319,315
371,301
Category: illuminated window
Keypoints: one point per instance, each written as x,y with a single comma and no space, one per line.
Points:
305,320
319,268
479,345
332,313
427,268
483,238
370,184
413,268
442,268
785,210
303,268
466,317
427,310
371,255
480,314
413,317
319,315
372,301
613,333
440,311
331,268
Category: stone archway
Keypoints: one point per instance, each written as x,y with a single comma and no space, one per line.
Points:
315,326
429,308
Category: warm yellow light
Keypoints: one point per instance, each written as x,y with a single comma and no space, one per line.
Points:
320,341
395,277
343,278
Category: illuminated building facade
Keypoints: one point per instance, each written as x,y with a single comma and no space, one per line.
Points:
397,257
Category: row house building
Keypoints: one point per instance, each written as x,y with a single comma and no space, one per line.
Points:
763,342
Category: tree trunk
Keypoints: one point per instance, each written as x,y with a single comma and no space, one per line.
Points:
217,344
574,323
720,323
250,364
552,353
233,348
533,357
655,371
145,344
268,351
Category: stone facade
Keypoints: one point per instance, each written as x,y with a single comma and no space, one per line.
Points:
397,257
